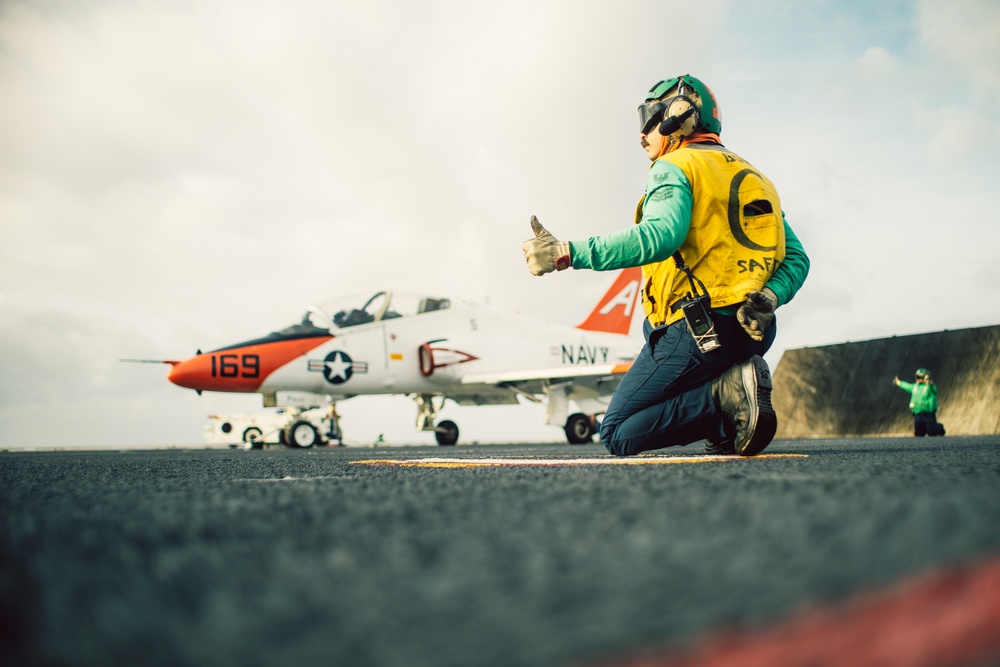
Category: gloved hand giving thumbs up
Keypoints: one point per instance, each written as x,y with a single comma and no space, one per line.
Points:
545,253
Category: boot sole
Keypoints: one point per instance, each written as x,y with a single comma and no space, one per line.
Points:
763,422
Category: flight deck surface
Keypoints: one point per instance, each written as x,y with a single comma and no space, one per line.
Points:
515,555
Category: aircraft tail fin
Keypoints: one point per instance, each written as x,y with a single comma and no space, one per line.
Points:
613,312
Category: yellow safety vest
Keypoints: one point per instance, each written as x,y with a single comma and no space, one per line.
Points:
736,239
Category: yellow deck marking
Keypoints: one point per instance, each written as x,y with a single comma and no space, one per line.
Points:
608,461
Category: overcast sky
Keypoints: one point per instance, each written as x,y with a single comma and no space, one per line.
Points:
184,175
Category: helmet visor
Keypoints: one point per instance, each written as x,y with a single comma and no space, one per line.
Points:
650,114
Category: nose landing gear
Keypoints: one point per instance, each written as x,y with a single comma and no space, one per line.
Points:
446,432
580,429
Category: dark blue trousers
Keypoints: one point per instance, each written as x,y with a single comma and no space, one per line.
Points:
665,398
926,423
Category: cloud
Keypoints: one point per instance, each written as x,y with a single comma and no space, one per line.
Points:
965,35
177,175
878,64
954,134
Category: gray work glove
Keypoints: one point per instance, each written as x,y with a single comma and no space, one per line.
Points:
756,313
545,253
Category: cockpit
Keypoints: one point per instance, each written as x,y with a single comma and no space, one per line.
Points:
328,319
354,311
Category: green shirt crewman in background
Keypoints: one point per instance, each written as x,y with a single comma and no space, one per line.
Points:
923,403
717,259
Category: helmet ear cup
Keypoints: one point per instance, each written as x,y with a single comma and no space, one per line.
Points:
679,106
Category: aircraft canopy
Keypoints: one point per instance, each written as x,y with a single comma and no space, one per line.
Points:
354,311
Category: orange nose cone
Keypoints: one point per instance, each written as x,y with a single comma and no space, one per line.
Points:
240,368
194,373
228,371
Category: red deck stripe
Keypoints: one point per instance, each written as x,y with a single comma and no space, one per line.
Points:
944,618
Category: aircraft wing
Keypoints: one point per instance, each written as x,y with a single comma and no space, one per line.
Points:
591,381
567,373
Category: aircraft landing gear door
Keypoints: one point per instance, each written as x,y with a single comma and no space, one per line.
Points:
557,397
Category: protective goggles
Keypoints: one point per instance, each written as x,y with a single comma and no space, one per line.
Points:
650,114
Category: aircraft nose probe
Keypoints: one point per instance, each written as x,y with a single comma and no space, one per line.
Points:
187,374
175,376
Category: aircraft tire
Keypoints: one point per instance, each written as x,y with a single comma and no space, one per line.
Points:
301,435
579,429
254,438
446,433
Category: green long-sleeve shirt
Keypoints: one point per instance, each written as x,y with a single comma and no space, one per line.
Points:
923,397
666,220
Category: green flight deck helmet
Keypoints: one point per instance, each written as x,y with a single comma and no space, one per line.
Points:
684,91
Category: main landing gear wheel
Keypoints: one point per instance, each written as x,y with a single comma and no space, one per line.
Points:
301,435
254,438
446,432
579,429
